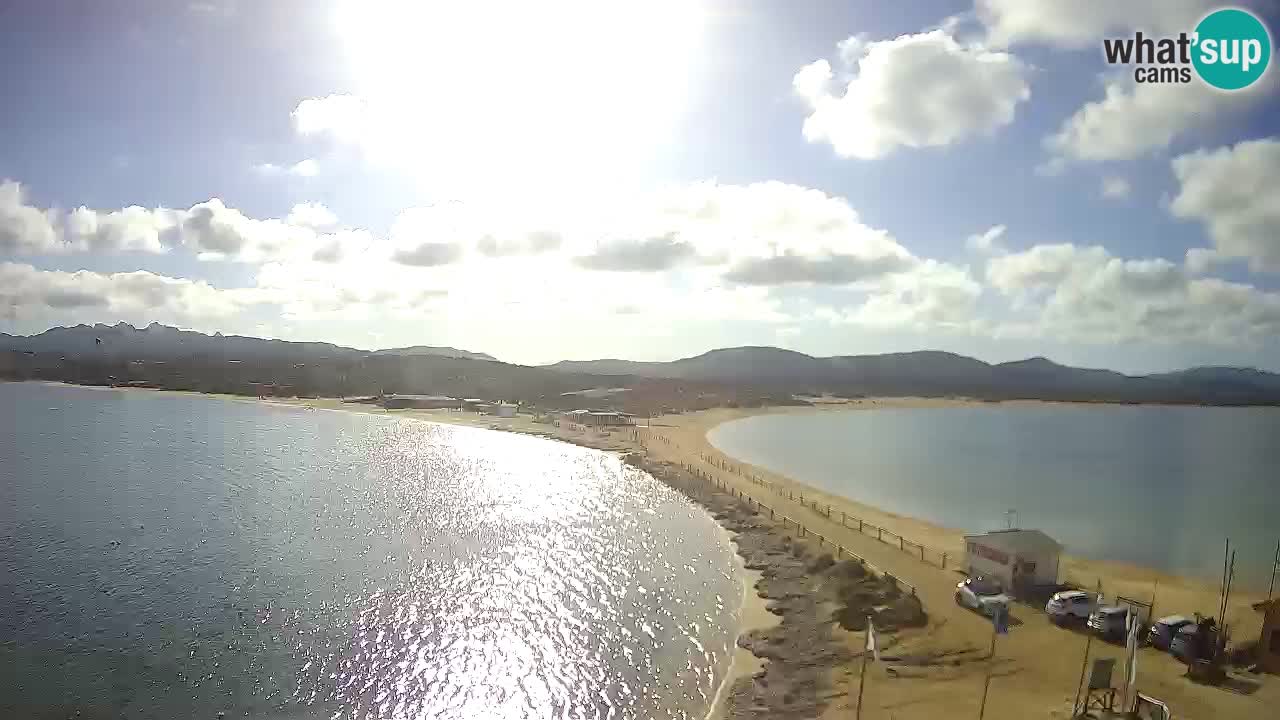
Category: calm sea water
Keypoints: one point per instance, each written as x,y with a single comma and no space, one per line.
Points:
1158,486
169,556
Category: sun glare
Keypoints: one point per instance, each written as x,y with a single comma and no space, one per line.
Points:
528,90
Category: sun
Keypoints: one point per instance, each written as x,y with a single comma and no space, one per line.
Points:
543,92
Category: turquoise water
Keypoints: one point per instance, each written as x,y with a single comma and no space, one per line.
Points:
1158,486
171,556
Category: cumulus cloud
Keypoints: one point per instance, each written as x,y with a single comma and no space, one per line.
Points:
639,255
1132,119
344,117
23,228
211,230
1232,190
1086,294
532,242
25,290
1199,261
791,267
1084,23
312,215
932,295
923,90
28,230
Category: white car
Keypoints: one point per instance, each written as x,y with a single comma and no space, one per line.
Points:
1070,605
981,594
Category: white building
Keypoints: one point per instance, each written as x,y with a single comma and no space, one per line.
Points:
504,410
1014,557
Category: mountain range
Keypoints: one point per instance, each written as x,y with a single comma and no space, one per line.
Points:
936,373
162,342
742,373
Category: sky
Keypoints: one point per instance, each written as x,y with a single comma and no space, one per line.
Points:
576,179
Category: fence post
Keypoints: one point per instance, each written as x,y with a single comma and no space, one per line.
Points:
921,553
944,561
828,511
902,544
880,534
859,525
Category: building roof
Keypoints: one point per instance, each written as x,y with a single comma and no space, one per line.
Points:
1267,605
431,398
1019,539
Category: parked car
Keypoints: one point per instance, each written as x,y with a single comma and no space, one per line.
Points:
1163,631
1070,605
1109,622
981,594
1186,643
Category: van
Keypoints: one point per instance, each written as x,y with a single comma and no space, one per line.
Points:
1163,631
1109,622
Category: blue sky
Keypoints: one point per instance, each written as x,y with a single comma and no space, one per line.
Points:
639,180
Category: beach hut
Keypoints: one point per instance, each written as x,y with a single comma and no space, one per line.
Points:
1017,558
1269,642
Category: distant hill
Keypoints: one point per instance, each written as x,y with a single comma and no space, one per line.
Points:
168,357
162,342
935,373
438,351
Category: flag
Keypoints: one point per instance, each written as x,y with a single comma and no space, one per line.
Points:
871,641
1133,624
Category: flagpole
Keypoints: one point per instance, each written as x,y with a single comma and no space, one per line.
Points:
862,675
1088,643
991,658
1275,565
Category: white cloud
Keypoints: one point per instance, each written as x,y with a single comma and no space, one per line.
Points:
1232,190
345,117
25,229
1202,260
1116,188
312,215
1133,120
1085,294
28,230
931,296
924,90
988,241
142,296
1084,23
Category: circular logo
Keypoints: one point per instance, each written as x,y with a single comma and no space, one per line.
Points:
1232,49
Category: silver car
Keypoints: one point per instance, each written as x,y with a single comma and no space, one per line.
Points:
981,594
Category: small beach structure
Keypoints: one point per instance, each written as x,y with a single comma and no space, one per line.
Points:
1018,558
1269,641
505,410
421,402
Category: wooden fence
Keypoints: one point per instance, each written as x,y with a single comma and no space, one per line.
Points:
924,553
838,551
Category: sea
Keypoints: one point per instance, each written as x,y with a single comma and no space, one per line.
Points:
1159,486
167,555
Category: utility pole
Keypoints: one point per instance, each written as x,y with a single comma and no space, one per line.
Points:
1275,565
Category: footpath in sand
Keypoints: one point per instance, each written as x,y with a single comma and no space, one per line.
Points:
1037,665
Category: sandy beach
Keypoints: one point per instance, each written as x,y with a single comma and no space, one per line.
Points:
928,670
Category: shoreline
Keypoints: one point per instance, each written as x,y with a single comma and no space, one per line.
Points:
1174,592
806,665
